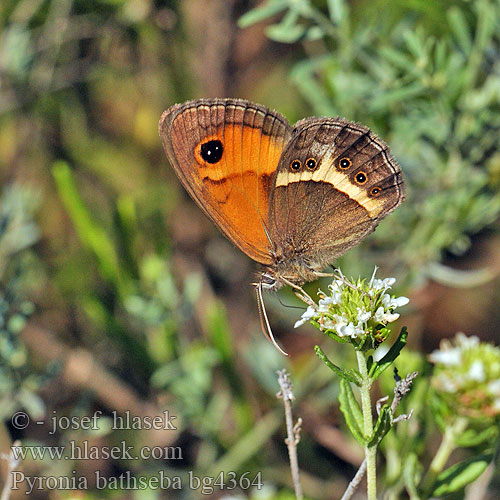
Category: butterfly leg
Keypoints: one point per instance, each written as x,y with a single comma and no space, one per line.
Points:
300,293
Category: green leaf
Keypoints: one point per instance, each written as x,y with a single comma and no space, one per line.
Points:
412,474
262,13
380,366
352,412
473,438
248,445
382,426
460,29
92,235
369,363
350,375
286,34
337,10
387,99
460,475
439,410
304,76
288,30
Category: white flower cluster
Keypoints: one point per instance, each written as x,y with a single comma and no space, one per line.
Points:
466,365
350,307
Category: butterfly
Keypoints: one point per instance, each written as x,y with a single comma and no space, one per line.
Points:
292,198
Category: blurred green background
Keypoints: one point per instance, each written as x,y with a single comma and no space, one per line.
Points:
116,294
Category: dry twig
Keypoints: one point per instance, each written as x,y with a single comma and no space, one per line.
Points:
12,463
293,431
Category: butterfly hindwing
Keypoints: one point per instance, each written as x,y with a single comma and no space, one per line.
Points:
334,182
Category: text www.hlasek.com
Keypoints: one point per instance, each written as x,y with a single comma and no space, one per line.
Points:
83,451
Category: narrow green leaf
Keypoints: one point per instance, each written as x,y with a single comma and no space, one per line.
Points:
382,426
314,33
286,34
351,411
412,474
249,444
379,366
460,475
288,30
337,10
473,438
402,94
262,13
304,76
460,29
398,59
91,234
350,376
132,347
369,363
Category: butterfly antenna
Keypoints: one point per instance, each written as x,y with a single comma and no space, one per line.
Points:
264,322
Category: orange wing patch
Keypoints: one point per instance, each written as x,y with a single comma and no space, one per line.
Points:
226,156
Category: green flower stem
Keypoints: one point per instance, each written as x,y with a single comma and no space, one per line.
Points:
444,451
366,408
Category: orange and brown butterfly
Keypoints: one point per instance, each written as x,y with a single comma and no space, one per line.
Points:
292,198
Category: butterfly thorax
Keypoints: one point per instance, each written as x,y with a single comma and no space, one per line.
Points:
285,269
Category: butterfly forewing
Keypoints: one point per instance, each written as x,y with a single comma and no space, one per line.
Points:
225,152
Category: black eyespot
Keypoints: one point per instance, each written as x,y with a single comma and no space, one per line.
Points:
211,151
295,165
311,163
361,178
375,191
345,163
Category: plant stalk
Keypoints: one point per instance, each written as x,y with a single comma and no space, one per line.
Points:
366,408
443,453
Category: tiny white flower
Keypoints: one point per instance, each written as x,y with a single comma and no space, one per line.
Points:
363,315
447,384
494,387
476,371
391,303
400,301
328,324
309,313
383,316
463,340
350,330
379,314
339,322
390,317
447,357
386,300
336,286
326,301
384,284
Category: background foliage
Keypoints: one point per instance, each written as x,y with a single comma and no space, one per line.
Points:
135,303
